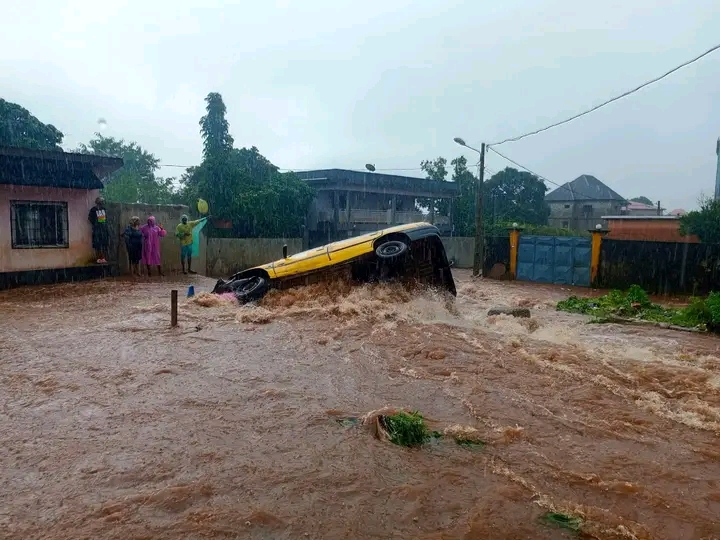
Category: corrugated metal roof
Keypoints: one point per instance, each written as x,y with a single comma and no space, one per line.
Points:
49,168
377,182
646,218
634,205
584,188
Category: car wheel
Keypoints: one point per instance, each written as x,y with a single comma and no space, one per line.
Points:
221,287
391,250
251,289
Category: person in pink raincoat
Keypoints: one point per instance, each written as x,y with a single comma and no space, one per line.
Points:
151,244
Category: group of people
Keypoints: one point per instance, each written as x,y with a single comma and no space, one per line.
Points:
142,241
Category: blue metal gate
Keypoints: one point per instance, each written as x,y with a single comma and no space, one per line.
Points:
564,260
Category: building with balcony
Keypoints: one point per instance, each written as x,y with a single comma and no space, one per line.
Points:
349,203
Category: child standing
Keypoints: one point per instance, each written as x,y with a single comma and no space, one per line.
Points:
133,242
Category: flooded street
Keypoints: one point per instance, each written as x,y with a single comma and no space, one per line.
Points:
230,425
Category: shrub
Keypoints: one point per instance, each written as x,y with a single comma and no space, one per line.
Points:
406,429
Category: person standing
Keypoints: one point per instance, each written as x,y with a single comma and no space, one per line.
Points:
151,234
133,242
184,233
100,231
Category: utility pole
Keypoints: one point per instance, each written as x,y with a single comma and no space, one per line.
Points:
479,258
717,172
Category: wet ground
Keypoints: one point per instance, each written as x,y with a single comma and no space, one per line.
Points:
117,426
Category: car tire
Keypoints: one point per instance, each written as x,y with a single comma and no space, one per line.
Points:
252,289
391,250
221,287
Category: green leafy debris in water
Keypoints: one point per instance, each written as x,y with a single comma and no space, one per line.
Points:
635,304
564,521
470,444
406,429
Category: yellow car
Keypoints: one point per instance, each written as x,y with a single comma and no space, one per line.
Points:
408,253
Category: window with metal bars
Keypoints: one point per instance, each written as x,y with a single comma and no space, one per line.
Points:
39,224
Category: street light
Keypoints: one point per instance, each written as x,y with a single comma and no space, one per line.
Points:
370,167
479,256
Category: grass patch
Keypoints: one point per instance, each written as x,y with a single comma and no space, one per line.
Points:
406,429
634,303
564,521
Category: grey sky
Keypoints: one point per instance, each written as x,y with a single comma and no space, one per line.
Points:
325,83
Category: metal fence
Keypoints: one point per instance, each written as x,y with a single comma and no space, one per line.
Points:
660,267
497,250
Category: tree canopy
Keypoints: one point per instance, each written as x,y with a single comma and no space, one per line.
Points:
463,215
513,195
20,128
643,200
135,182
243,185
215,129
704,223
508,196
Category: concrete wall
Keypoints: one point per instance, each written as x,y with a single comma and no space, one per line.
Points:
574,216
460,249
79,252
225,256
168,216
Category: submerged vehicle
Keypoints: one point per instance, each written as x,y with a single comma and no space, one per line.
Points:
412,253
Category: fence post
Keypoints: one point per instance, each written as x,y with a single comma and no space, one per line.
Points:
597,236
514,242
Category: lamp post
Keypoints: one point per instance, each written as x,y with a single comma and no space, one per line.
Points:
479,257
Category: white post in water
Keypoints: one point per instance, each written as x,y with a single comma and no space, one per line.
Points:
717,172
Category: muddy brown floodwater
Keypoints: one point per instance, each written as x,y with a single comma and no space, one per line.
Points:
116,426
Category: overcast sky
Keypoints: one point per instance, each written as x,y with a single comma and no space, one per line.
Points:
323,83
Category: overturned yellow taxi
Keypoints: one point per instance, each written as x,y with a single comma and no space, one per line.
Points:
412,253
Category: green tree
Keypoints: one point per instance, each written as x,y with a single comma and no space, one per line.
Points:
508,196
463,215
135,182
434,170
215,129
704,223
242,184
643,200
20,128
219,178
513,195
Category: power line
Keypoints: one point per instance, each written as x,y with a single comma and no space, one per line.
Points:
616,98
306,170
299,170
563,186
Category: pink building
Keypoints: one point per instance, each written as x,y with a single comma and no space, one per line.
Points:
45,197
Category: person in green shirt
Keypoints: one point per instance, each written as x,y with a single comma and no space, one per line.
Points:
184,233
